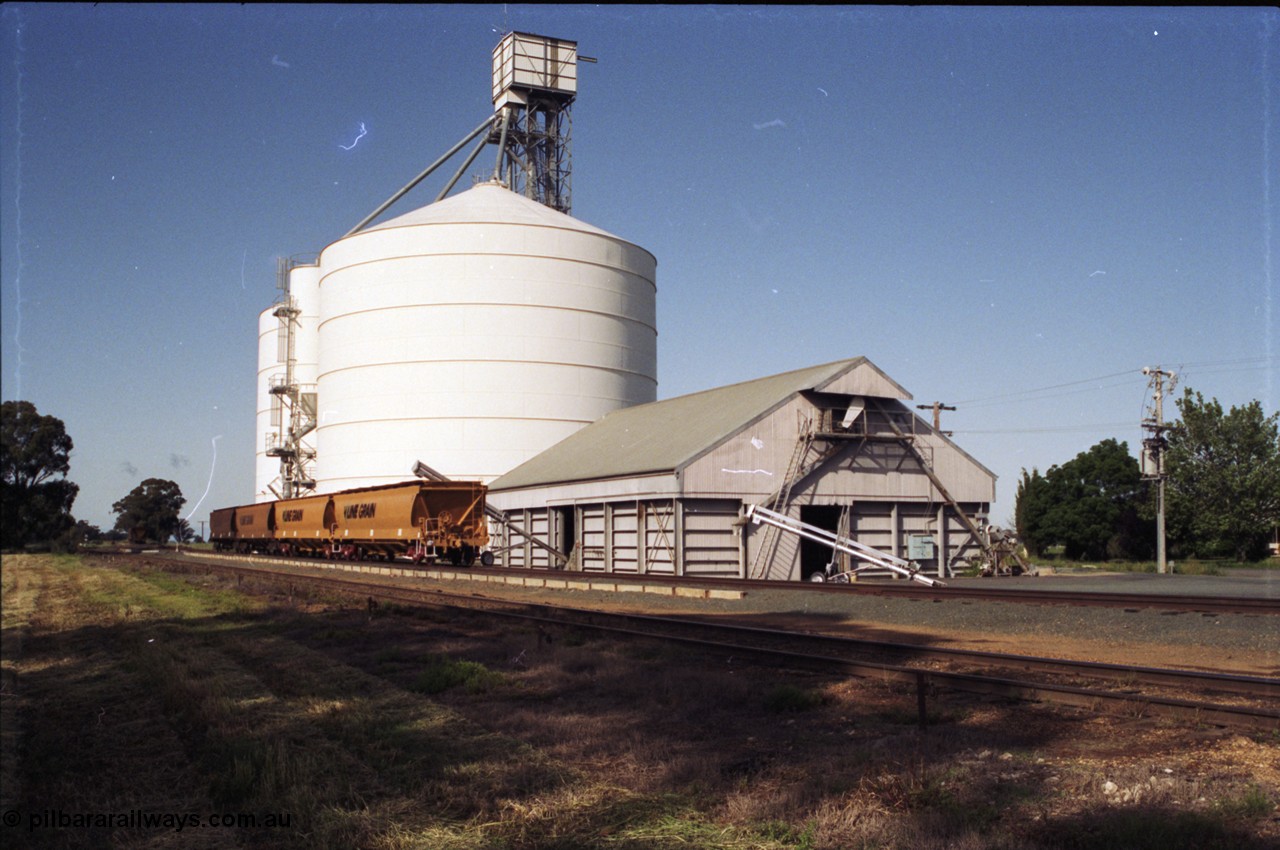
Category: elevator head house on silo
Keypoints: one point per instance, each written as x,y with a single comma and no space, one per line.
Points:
666,488
472,332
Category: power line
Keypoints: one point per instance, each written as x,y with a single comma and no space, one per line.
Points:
1051,429
1259,361
1126,373
1045,394
1243,364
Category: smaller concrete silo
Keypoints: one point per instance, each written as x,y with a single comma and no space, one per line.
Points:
288,357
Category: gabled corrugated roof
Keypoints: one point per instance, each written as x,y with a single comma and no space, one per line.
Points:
664,436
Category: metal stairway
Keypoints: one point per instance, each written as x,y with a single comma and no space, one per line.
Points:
797,469
769,541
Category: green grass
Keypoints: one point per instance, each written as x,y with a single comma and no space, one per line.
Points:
1252,803
443,674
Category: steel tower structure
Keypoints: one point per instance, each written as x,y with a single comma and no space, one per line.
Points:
535,80
294,405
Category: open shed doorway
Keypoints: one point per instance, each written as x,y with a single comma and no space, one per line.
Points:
814,556
566,532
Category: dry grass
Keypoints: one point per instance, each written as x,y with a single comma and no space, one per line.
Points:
136,690
20,587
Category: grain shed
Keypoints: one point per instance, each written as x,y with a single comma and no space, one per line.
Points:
662,488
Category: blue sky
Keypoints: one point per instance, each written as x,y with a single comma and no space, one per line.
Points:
1008,210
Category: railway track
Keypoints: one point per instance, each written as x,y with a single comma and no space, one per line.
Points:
1031,596
1121,689
1170,602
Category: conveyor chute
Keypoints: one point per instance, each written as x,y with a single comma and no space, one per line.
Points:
847,545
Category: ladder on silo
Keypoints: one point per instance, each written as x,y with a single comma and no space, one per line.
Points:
845,545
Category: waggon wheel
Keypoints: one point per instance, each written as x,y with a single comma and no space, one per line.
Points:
486,559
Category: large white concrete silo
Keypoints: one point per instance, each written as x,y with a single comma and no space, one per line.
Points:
474,333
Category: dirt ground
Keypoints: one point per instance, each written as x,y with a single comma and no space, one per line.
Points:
1244,644
975,755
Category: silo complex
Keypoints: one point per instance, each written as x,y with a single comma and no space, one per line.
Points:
472,334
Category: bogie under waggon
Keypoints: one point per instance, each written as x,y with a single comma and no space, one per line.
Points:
421,520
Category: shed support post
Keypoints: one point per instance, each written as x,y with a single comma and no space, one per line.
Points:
642,538
678,549
895,528
944,541
608,537
528,543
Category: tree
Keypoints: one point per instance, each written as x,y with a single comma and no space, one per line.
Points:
1089,505
1223,486
78,535
150,511
87,532
35,456
1031,504
183,532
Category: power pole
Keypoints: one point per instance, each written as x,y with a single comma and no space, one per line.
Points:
937,407
1153,447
